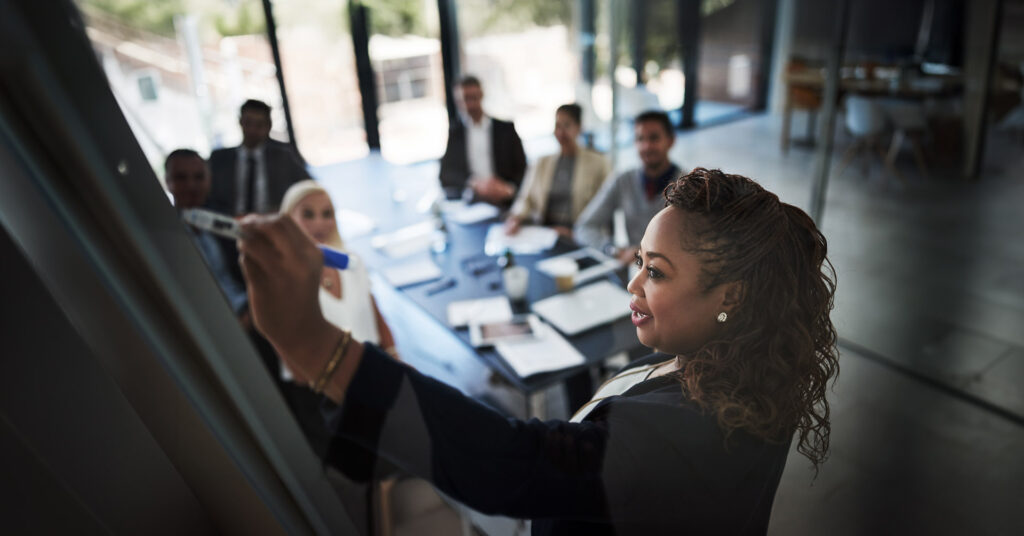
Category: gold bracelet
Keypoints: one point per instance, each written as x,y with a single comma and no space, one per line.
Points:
332,365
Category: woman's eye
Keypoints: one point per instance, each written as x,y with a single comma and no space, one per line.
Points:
637,260
307,214
653,273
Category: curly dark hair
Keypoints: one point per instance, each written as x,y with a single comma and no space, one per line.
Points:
767,372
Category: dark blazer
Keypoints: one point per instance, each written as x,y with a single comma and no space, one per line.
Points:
283,169
507,155
647,462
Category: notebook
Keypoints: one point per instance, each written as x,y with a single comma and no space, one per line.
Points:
584,308
544,352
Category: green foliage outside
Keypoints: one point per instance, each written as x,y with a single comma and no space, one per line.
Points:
152,17
242,17
480,17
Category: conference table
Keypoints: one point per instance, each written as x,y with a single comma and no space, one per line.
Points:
473,275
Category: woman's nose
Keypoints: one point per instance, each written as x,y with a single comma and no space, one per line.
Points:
635,286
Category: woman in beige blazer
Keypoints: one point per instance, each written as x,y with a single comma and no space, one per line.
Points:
558,187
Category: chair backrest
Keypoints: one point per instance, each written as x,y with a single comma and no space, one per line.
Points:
864,117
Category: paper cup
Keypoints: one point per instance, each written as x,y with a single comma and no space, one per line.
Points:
517,281
564,273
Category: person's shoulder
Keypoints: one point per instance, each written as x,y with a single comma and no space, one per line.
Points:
274,147
223,152
495,122
547,160
590,155
623,178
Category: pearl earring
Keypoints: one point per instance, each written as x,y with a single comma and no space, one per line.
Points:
722,317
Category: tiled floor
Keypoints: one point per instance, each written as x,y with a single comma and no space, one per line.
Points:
928,412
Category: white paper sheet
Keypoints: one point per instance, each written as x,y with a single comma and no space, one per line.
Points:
546,352
496,309
412,272
530,239
406,241
475,213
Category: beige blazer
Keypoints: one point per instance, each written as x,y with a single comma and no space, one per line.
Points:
588,175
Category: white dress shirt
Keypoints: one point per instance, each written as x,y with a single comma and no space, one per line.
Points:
241,184
478,148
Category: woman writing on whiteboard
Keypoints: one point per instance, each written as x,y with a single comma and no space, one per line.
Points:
733,293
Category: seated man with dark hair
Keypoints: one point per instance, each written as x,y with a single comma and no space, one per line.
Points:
484,158
188,180
253,176
636,192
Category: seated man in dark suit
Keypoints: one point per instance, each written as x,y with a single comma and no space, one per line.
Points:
253,176
188,180
485,156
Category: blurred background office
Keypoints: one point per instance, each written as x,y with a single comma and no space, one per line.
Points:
899,126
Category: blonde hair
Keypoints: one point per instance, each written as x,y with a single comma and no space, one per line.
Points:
301,190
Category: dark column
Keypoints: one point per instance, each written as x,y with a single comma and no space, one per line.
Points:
827,134
981,44
769,14
638,22
449,53
588,58
359,22
688,22
268,14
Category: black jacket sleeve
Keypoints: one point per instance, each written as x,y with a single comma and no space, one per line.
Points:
454,163
638,463
509,156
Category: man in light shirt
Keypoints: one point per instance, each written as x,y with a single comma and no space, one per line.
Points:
484,159
254,176
637,192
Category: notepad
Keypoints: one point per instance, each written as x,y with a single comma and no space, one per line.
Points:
584,308
531,239
495,309
475,213
411,273
544,352
406,241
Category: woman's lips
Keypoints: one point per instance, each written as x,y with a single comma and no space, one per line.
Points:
639,316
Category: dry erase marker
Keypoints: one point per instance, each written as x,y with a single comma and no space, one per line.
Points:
227,227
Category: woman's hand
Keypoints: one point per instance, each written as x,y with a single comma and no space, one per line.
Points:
282,270
512,225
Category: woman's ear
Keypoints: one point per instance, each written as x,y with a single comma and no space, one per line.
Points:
734,292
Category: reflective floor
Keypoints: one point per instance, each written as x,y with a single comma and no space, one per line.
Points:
928,412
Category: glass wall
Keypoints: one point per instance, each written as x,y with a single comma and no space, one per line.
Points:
524,53
405,52
180,70
320,76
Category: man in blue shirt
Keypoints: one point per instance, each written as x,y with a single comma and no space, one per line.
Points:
187,178
636,192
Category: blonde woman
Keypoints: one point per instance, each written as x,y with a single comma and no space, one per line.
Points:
345,297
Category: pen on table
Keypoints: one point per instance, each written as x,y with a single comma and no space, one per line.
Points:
443,285
227,227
